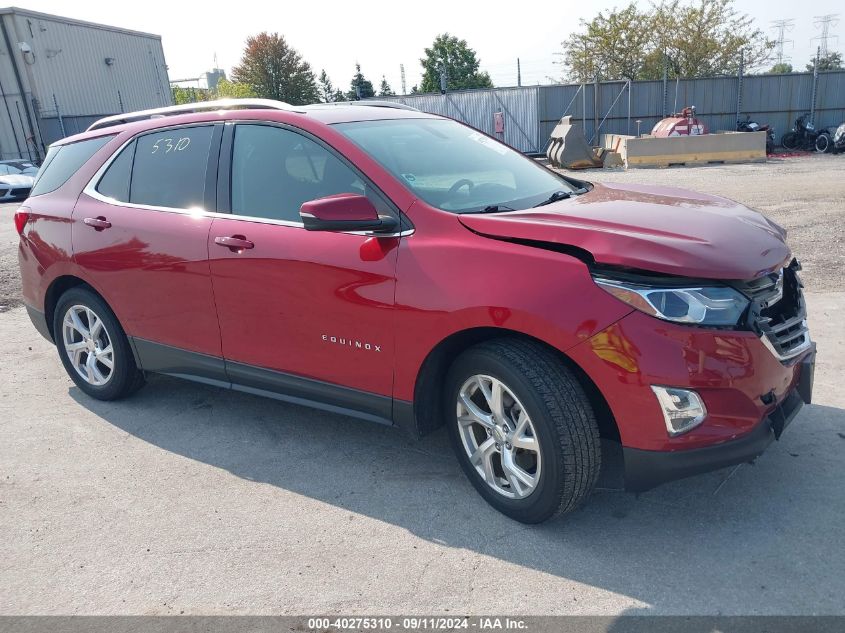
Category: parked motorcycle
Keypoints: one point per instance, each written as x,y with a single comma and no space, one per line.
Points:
752,126
805,136
839,139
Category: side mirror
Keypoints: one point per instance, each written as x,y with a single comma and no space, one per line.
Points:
345,212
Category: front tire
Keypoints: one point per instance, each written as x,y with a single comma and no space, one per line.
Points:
790,141
523,429
93,347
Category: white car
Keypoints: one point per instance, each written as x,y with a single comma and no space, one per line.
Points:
15,184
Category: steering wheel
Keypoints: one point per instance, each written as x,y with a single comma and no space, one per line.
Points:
463,181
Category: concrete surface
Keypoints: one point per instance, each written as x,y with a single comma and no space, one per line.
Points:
190,499
804,194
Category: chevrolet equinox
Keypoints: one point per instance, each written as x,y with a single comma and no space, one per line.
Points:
377,261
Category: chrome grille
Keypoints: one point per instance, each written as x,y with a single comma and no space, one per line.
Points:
779,312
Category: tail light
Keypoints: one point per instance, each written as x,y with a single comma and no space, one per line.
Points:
21,218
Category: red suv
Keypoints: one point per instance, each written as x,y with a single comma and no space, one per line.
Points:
406,269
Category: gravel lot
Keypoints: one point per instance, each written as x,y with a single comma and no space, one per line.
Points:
805,195
190,499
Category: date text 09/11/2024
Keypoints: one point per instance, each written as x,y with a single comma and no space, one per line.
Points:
418,623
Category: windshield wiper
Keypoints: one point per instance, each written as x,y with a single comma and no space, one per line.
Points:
560,195
492,208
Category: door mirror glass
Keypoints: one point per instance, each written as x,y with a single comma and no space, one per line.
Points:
344,212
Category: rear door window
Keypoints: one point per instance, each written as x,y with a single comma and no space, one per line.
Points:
170,168
63,161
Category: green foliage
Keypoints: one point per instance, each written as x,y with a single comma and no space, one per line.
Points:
780,69
459,61
224,90
274,70
339,95
385,90
699,38
189,95
364,85
831,61
325,87
232,90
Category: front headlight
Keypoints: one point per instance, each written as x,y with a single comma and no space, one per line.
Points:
700,305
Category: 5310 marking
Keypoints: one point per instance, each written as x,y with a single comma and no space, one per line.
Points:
168,145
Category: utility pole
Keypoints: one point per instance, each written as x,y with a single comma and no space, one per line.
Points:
443,78
815,83
402,70
782,27
824,22
739,83
518,73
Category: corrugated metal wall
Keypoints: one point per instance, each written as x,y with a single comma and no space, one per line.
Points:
66,74
476,107
774,99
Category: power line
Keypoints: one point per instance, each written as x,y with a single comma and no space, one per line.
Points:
824,22
782,27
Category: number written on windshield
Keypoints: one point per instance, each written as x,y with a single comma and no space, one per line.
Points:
167,145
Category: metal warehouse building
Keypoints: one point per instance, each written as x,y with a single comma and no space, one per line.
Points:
57,75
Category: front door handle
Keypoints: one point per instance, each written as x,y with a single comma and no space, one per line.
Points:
98,224
235,243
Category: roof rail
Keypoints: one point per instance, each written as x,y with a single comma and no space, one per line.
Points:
373,103
187,108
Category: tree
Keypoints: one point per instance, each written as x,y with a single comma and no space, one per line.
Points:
622,38
232,90
831,61
189,95
459,62
274,70
339,95
325,87
385,90
697,38
360,87
780,69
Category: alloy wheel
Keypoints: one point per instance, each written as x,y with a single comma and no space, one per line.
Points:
498,436
88,345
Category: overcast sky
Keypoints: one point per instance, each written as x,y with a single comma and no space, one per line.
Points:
381,35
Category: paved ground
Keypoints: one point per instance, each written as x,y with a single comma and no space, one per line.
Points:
190,499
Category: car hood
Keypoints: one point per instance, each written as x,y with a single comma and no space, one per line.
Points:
17,180
658,229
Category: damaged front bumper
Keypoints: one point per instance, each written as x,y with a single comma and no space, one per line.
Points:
645,469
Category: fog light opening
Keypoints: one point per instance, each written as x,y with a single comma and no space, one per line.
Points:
683,409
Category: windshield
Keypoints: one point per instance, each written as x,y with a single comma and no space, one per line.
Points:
454,167
9,170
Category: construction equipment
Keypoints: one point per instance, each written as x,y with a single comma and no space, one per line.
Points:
569,148
683,123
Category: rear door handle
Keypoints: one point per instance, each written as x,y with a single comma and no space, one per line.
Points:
98,223
235,243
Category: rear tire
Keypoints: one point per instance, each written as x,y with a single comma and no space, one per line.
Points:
561,427
93,346
790,141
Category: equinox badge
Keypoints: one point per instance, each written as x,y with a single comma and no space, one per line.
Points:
339,340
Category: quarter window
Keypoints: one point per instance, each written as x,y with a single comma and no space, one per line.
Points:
170,168
63,161
115,182
275,170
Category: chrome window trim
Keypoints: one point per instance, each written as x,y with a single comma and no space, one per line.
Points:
91,191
